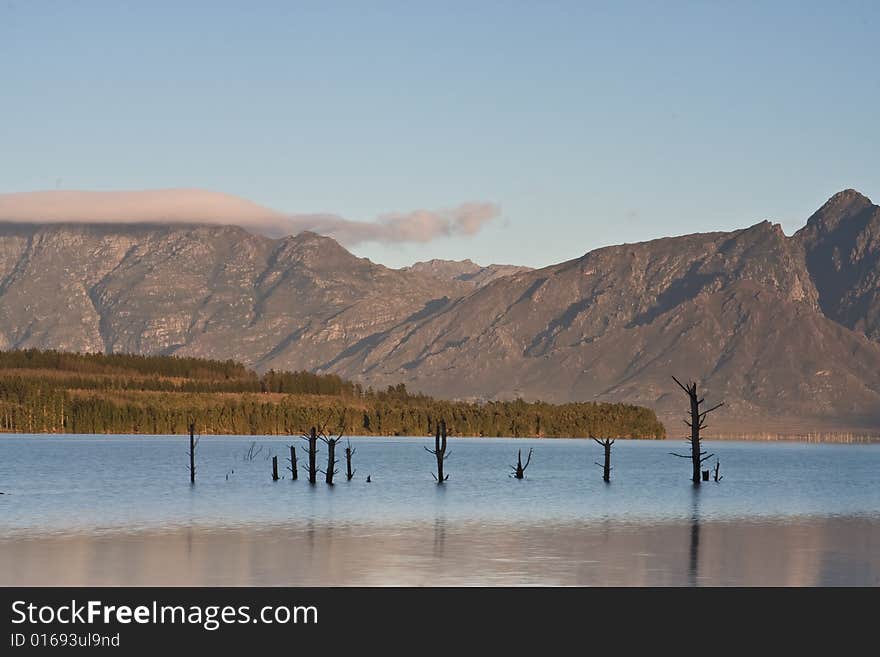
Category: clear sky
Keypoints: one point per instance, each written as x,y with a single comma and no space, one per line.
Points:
589,123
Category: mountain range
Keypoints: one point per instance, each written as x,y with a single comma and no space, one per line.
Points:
784,330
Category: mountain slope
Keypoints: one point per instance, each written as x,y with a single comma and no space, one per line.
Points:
786,330
841,242
207,291
736,311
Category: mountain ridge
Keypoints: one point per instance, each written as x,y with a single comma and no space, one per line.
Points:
785,329
465,270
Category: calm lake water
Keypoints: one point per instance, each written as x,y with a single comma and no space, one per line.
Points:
125,505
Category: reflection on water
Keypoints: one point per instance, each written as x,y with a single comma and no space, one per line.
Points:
439,537
694,552
805,552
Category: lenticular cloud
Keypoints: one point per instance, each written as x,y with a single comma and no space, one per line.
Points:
204,207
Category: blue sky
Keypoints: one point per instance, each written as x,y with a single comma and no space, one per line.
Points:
589,123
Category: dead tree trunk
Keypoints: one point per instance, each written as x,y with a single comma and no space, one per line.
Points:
696,423
331,461
606,467
192,452
292,468
349,452
718,477
440,451
519,470
312,438
274,468
331,457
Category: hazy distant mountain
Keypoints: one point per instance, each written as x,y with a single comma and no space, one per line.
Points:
466,271
786,330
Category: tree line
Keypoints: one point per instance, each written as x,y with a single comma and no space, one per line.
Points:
56,392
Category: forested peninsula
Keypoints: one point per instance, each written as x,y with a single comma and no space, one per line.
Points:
57,392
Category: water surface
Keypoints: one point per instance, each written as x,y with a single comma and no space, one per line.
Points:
120,509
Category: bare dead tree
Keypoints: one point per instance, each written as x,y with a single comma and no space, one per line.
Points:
718,476
606,466
193,443
292,459
440,451
697,423
312,438
331,456
274,468
519,470
252,452
349,452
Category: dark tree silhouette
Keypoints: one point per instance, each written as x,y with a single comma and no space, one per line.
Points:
696,423
718,476
519,470
331,456
312,438
440,451
193,442
606,467
274,468
349,452
292,459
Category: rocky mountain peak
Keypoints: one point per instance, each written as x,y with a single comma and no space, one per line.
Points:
841,242
838,209
317,252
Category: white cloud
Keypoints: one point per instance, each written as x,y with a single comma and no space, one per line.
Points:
204,207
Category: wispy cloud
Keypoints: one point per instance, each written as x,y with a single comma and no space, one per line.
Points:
416,226
200,206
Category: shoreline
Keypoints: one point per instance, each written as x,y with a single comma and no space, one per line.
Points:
830,437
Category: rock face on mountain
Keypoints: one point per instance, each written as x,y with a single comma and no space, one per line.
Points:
466,271
296,302
785,330
737,311
842,246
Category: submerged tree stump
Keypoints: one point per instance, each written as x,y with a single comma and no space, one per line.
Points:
312,438
718,477
439,451
519,470
274,468
292,459
349,452
606,466
331,456
192,452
